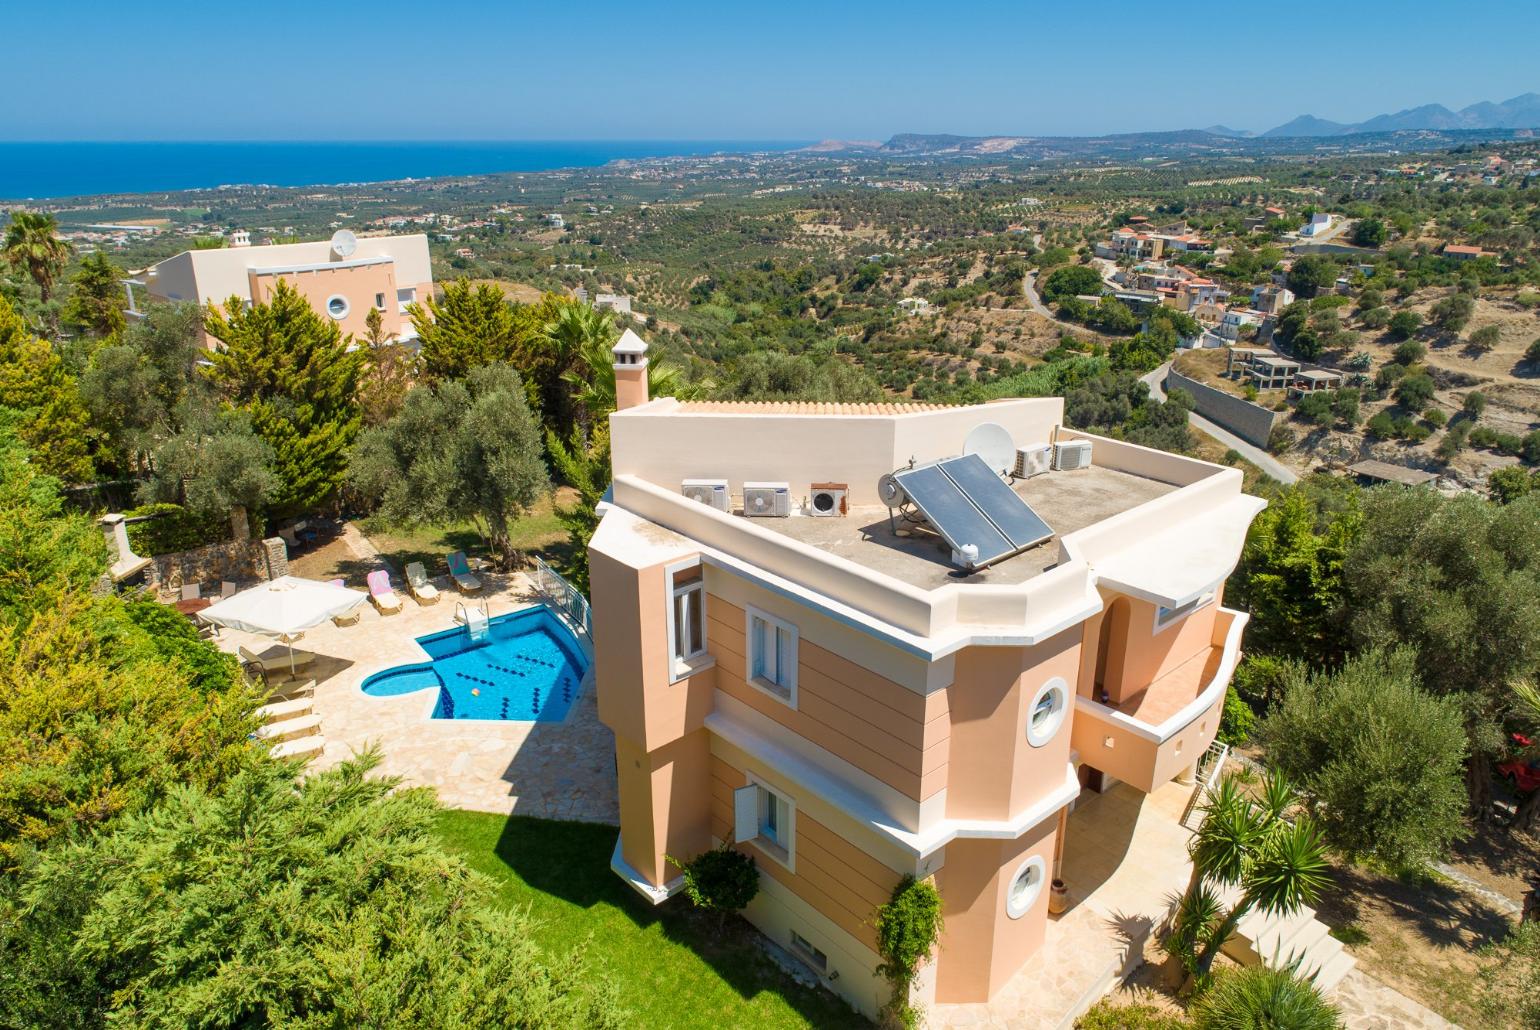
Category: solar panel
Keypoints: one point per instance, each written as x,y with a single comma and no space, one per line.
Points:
948,509
968,504
1000,504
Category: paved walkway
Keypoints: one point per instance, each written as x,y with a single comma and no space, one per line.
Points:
1367,1004
1252,453
552,770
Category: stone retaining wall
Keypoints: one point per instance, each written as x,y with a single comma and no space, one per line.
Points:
1251,422
239,561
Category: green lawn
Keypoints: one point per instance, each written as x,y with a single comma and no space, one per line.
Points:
539,532
670,966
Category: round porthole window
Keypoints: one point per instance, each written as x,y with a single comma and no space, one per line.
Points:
337,306
1026,885
1046,713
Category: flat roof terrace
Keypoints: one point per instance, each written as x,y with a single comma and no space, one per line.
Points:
1067,501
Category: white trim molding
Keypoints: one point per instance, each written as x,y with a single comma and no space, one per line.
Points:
624,869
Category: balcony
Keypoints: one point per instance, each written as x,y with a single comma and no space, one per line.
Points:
1159,731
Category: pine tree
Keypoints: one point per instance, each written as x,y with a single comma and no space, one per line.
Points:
473,325
50,417
290,370
96,305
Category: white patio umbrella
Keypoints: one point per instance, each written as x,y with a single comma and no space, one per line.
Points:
284,608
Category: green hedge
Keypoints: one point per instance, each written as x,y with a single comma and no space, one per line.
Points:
172,529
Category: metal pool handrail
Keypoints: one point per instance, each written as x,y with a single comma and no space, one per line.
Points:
562,595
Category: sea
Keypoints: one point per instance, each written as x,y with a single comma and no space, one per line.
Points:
46,170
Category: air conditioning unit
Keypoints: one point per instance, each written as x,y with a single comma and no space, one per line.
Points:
767,500
710,492
1033,461
1072,454
829,499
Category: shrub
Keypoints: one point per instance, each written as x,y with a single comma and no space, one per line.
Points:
1359,362
1381,426
1316,408
1454,440
1435,417
720,880
1415,390
1237,720
1485,338
1528,299
1403,324
1474,404
1105,1015
1532,353
1375,318
1380,759
1259,998
1345,405
908,927
1281,440
1260,680
1452,313
170,528
1410,352
1509,484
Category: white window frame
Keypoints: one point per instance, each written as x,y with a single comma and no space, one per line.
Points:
1016,907
346,307
1168,617
781,849
680,666
1041,736
784,687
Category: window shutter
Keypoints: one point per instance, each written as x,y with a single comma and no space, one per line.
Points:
745,814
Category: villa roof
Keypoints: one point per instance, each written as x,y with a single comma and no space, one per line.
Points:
804,408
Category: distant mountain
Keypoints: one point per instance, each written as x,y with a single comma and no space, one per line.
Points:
1225,130
1521,112
837,146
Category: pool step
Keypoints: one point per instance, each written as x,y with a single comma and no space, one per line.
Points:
280,711
304,747
288,729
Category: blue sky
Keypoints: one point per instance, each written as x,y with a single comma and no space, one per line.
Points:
455,69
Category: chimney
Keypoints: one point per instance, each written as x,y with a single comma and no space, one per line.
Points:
630,371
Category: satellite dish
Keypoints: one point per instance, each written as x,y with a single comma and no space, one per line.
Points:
992,442
344,243
891,493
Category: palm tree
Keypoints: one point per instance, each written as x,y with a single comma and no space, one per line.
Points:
30,245
1245,843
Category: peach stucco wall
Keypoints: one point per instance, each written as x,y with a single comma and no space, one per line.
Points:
1136,655
1138,761
664,803
994,772
360,284
832,874
883,728
982,946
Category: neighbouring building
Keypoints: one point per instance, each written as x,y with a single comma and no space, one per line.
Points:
1461,252
887,667
342,277
1313,380
1271,372
1271,299
914,305
1319,223
618,302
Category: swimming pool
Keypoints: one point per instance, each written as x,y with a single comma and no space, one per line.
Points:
528,667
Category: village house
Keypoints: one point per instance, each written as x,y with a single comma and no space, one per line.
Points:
342,278
864,641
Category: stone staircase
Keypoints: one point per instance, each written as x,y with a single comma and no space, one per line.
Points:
1301,940
290,727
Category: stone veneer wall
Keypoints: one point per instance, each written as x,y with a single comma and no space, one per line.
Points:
239,561
1251,422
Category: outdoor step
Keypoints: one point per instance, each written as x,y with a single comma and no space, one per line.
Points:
1293,935
1332,973
304,747
1303,943
279,711
302,726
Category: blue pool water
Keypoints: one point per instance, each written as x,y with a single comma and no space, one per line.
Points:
527,668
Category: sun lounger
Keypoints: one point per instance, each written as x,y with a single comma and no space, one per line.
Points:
276,658
381,594
226,589
417,583
191,591
460,570
351,617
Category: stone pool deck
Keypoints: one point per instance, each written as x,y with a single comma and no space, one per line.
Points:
550,770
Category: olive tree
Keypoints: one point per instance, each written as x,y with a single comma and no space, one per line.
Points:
459,451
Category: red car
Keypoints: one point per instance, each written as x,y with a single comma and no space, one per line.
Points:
1523,773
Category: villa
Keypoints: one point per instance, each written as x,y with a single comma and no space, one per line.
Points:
859,641
342,277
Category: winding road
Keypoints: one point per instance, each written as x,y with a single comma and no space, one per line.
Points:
1252,453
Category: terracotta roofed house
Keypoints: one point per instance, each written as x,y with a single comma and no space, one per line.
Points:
848,697
342,277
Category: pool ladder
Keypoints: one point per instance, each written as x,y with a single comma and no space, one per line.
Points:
476,620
